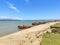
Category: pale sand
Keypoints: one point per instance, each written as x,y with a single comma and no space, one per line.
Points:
19,37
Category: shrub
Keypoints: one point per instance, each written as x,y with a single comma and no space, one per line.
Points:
56,30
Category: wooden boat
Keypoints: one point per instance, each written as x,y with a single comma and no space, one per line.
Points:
35,23
38,23
24,27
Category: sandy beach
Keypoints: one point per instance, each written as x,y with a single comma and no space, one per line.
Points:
22,37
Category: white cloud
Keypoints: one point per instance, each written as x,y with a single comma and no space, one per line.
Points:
6,17
17,18
13,7
1,17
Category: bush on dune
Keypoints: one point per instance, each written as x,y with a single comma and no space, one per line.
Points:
56,30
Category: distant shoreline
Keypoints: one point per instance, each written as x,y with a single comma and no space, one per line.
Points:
25,20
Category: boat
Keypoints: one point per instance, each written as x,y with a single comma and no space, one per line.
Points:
24,26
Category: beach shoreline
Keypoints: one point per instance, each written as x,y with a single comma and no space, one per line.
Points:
15,38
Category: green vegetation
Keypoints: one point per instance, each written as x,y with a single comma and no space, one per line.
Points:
51,39
56,28
56,25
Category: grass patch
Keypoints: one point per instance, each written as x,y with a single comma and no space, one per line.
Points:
56,25
56,28
51,39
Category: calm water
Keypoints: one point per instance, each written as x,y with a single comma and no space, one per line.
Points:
7,27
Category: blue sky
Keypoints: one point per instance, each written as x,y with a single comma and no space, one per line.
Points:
30,9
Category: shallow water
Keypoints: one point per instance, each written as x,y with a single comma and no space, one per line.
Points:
7,27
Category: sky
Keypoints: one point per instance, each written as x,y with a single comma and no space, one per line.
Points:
30,9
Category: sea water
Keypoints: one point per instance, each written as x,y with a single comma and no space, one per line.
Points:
8,27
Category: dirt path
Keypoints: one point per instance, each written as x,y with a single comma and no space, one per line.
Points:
26,37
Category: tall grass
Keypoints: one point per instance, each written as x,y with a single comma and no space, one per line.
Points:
51,39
